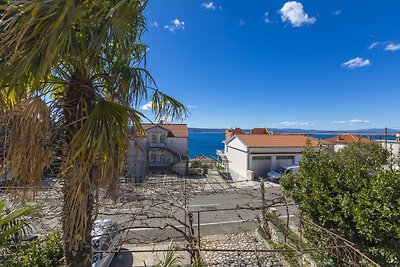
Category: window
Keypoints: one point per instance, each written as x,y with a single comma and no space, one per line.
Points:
162,138
261,157
154,138
153,157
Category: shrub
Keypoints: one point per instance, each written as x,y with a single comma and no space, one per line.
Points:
349,193
42,252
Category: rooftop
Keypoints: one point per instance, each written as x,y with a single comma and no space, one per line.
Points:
346,138
177,130
265,140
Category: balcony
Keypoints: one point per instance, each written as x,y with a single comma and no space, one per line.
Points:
159,162
156,144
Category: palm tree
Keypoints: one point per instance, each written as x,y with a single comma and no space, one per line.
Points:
72,78
13,223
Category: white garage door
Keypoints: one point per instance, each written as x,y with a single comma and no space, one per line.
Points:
261,165
284,161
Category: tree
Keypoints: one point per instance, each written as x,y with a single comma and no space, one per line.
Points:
73,76
351,194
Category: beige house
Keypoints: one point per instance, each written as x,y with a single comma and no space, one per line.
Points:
163,148
340,141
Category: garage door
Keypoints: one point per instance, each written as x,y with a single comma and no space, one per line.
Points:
284,161
261,165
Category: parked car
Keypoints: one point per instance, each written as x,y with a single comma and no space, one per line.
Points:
275,176
105,236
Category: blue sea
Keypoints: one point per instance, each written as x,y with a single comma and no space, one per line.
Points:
206,144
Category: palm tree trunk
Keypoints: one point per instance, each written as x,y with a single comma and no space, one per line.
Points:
79,101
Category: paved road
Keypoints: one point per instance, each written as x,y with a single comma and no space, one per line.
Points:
213,220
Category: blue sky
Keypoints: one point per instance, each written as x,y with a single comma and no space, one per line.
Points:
312,64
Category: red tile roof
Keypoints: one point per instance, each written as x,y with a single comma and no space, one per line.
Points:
177,130
265,140
346,138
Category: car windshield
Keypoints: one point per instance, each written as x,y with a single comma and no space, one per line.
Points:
281,170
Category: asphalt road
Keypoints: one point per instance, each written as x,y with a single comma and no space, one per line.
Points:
214,216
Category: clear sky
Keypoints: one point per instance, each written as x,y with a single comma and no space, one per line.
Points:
311,64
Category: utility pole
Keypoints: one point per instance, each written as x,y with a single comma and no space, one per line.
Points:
386,137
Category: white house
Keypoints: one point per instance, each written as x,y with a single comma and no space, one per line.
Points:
163,148
250,156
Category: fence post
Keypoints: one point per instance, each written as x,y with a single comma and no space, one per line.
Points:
264,222
185,203
198,228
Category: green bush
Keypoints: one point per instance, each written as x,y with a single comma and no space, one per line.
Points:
42,252
349,193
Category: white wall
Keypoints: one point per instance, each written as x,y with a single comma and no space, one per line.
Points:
393,146
178,144
237,159
338,147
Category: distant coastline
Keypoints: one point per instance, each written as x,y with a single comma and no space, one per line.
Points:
372,131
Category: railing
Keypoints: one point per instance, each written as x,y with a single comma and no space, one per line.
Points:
156,144
160,162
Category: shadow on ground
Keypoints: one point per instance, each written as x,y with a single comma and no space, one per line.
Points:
122,259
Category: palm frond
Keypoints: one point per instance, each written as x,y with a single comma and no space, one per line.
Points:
170,257
106,129
34,34
166,106
26,143
13,222
198,262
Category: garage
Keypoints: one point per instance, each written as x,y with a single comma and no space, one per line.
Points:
261,165
284,161
251,156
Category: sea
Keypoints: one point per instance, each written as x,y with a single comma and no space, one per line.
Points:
206,144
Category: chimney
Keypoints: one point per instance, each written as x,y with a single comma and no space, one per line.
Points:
161,122
259,131
231,132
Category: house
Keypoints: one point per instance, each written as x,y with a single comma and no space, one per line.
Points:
163,148
340,141
253,155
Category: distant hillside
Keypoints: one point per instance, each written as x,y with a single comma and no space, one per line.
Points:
206,130
288,130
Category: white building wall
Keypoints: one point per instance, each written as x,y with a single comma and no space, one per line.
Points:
392,146
178,144
297,159
236,153
240,157
238,164
338,147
